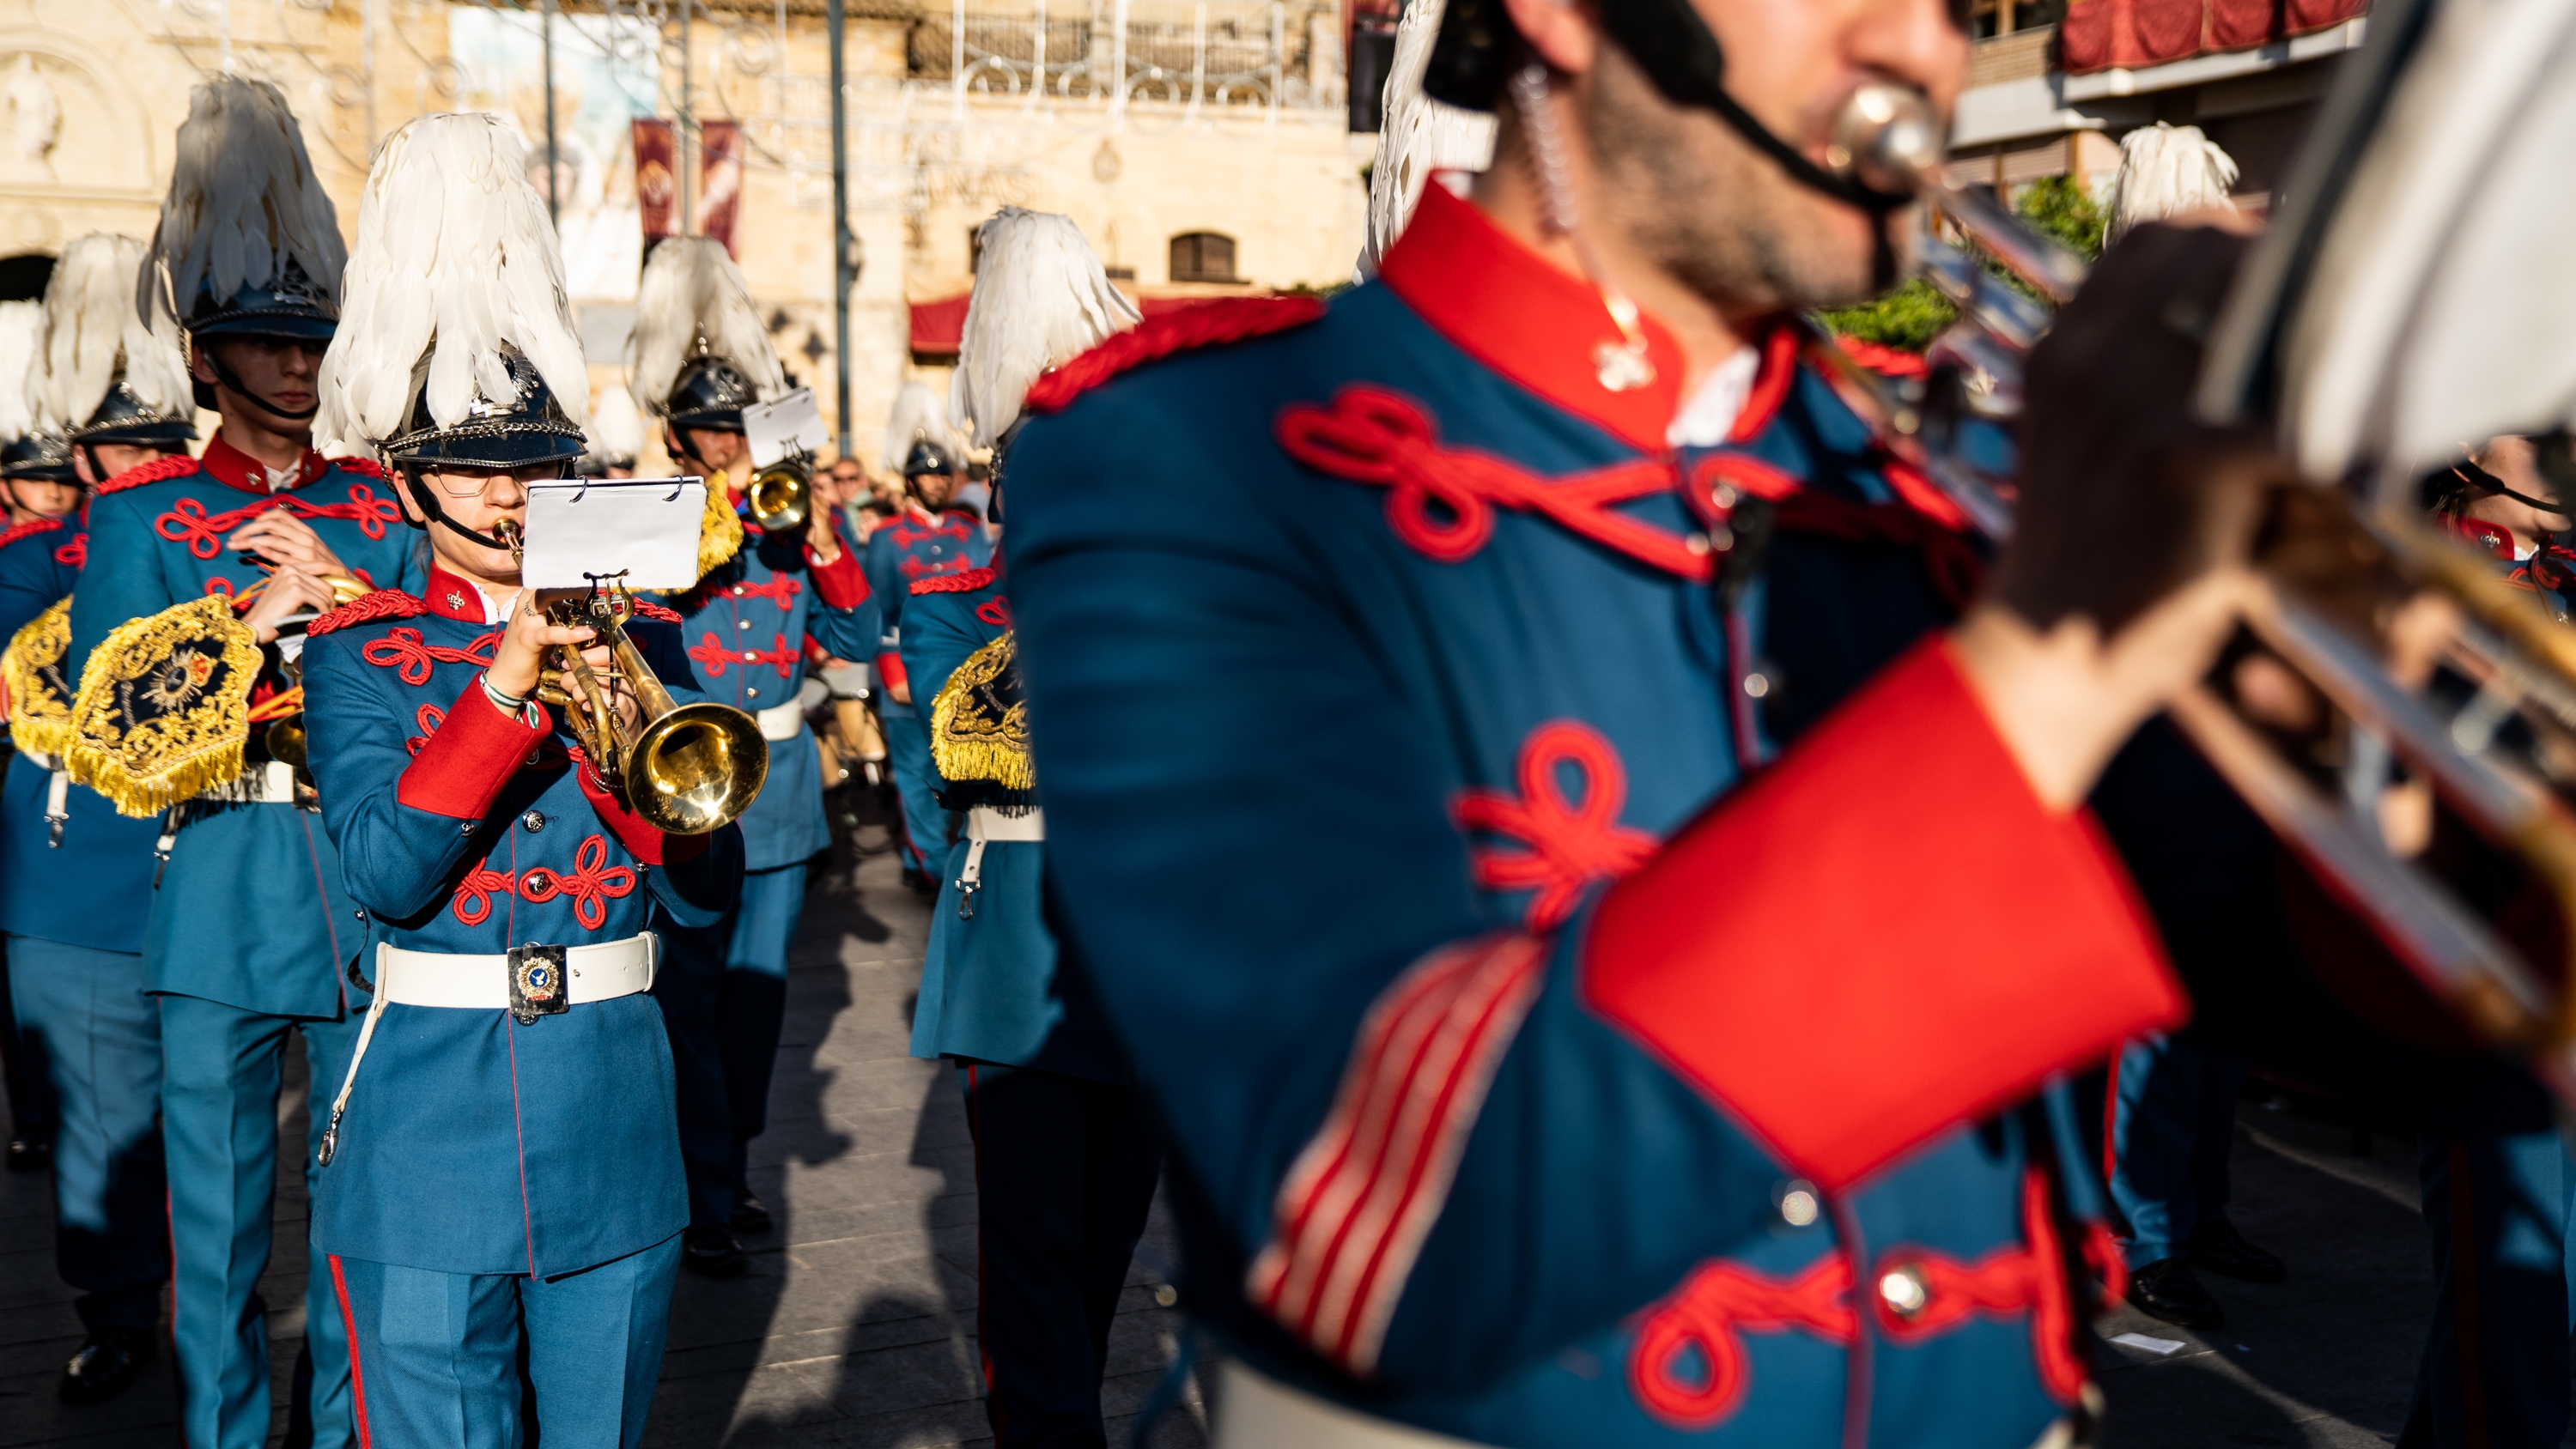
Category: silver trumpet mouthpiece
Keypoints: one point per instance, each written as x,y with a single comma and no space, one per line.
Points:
1887,139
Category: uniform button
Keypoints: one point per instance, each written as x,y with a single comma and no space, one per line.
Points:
751,693
537,881
1902,1289
465,827
360,912
1697,543
1798,1203
742,624
749,657
1756,685
737,591
535,820
1722,497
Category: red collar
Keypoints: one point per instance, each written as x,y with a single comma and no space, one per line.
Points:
236,469
1519,314
450,597
2476,533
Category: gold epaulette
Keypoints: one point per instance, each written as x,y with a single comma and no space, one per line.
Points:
163,710
979,729
40,697
720,532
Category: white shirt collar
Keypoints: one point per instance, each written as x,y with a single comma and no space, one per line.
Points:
1709,413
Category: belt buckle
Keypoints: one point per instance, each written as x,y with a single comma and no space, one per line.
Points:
540,983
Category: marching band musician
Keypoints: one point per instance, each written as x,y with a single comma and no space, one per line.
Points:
927,539
1677,1051
71,869
700,355
1065,1154
500,1210
249,927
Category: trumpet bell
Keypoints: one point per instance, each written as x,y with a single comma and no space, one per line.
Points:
696,768
781,497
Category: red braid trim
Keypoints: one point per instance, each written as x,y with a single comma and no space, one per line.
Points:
152,472
1213,323
649,610
965,583
382,604
363,467
29,529
1882,359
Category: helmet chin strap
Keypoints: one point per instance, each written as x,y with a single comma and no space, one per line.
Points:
231,380
1673,45
423,495
2480,478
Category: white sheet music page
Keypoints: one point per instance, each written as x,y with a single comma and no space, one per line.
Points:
647,527
774,430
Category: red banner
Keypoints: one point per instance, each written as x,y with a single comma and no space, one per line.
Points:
657,178
720,179
2132,34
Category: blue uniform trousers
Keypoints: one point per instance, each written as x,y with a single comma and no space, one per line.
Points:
2173,1122
925,824
2494,1373
221,1071
1064,1175
95,1038
491,1361
31,1098
723,991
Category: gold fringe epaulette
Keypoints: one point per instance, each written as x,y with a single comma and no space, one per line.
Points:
720,532
40,697
163,711
979,730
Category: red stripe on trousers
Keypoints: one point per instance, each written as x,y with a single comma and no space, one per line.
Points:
357,1380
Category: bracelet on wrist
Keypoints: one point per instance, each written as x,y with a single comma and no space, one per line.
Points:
509,704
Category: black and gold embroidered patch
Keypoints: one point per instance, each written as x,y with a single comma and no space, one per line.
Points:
31,672
979,732
163,708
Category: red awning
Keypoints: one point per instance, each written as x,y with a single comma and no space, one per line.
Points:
2133,34
939,323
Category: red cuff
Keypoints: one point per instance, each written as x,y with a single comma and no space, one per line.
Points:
842,583
890,670
469,757
1884,935
648,845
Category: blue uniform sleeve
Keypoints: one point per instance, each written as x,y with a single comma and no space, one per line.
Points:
944,632
395,859
122,581
31,581
886,586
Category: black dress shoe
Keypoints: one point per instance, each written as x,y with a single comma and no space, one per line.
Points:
2166,1289
751,1215
30,1154
107,1363
713,1253
2223,1250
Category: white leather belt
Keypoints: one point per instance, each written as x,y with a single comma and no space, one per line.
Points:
781,722
432,978
985,824
271,783
599,972
1259,1412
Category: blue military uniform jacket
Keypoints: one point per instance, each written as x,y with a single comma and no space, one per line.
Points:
250,911
990,987
1592,953
473,1144
82,889
745,626
903,551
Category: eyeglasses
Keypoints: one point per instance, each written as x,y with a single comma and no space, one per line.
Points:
474,485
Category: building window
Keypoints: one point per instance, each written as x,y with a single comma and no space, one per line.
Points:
1990,18
1202,256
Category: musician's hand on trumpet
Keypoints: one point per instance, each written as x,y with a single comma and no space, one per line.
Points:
521,659
2127,571
292,590
283,539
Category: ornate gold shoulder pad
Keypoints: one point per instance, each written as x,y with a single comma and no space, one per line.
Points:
163,709
979,732
40,697
720,532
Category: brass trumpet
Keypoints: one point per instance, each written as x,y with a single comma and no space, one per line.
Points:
284,737
687,769
2361,563
781,495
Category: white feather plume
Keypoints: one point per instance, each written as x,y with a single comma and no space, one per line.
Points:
1041,298
616,428
918,413
455,259
94,335
22,369
2166,170
692,292
243,202
1417,135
